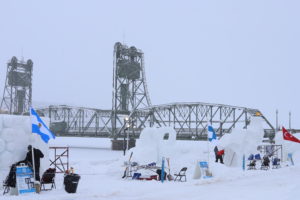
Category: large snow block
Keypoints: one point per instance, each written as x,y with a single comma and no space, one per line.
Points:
15,136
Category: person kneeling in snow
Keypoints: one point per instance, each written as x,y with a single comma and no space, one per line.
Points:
220,156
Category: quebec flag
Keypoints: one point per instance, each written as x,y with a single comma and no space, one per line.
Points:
39,127
211,135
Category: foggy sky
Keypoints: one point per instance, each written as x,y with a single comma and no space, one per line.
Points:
243,53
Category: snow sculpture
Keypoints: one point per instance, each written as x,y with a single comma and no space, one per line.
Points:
15,136
242,142
151,146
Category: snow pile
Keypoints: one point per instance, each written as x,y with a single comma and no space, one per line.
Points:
15,136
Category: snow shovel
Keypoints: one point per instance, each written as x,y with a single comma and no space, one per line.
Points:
169,176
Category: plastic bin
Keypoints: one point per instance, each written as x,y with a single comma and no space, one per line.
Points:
71,182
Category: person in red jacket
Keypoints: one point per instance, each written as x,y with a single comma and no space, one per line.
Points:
220,156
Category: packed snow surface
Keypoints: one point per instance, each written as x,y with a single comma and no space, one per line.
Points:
101,171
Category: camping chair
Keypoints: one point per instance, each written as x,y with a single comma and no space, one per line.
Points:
276,163
252,162
181,174
252,165
10,180
251,157
6,186
265,165
48,178
257,157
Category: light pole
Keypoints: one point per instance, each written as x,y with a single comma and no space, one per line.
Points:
126,125
124,142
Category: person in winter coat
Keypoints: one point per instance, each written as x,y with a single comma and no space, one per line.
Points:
37,156
220,156
216,153
266,161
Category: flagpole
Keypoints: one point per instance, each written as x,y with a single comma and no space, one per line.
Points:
207,151
207,142
32,152
33,165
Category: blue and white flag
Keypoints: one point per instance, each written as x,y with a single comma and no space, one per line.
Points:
39,127
211,135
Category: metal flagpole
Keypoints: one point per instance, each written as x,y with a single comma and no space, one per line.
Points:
32,152
207,151
33,162
207,141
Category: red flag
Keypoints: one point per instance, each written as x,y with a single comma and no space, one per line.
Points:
288,136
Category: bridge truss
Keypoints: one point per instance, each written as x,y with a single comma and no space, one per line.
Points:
190,120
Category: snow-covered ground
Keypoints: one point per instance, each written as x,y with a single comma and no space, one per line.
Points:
101,170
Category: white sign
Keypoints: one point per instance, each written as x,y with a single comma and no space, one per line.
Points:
25,180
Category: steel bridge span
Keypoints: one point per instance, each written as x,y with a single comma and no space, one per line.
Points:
132,109
188,119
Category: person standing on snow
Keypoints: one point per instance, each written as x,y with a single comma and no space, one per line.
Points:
37,156
216,153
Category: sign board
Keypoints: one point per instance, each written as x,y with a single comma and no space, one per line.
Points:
24,179
202,171
290,158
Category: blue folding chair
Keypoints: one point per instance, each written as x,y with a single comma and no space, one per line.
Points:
136,175
257,157
251,157
276,163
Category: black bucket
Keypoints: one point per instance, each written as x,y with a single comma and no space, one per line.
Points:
71,182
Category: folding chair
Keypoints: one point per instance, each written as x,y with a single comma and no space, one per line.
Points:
252,165
48,178
252,162
10,180
276,163
257,157
181,174
6,186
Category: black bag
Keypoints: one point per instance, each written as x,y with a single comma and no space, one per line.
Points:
71,182
158,171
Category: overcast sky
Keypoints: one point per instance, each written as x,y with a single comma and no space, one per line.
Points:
243,53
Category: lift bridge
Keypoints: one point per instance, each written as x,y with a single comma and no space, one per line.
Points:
132,109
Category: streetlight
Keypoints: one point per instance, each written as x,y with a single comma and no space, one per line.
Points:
127,125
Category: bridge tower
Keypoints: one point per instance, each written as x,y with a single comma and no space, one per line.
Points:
17,93
129,85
